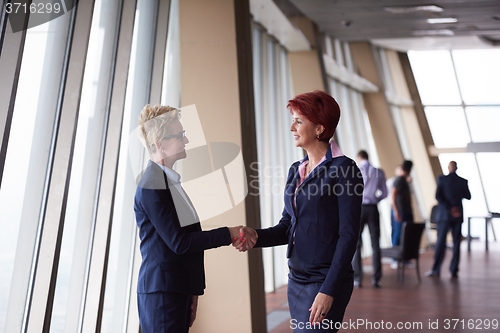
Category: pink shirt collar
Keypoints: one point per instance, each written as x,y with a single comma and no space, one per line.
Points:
336,152
334,147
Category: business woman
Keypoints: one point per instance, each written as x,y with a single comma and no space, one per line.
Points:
320,220
171,276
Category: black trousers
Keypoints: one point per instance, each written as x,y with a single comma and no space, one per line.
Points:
370,216
443,228
164,312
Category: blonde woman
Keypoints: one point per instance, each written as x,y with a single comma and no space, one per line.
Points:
172,274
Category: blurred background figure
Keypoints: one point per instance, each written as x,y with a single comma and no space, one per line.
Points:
401,201
451,189
375,190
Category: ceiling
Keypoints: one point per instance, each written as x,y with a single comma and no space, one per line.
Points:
477,26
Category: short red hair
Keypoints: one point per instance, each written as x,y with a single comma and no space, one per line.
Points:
319,108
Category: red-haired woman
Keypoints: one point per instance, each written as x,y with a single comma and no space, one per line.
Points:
321,218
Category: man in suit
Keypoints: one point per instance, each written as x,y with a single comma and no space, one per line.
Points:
375,190
451,189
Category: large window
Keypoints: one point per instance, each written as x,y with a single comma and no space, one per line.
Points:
79,227
275,148
24,186
459,90
354,130
69,250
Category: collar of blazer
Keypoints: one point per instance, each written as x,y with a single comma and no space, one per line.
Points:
315,173
181,202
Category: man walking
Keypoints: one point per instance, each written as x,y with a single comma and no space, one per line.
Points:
451,189
375,190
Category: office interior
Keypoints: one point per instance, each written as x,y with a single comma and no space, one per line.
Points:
414,79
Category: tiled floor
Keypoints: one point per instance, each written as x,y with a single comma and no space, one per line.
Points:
467,302
278,316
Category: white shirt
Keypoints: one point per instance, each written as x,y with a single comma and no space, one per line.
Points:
176,181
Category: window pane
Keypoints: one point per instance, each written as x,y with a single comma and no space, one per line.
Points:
172,76
488,165
26,162
435,77
357,113
483,123
346,131
119,312
72,269
467,169
478,74
448,126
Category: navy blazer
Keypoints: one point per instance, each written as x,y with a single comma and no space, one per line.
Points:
327,219
451,189
172,256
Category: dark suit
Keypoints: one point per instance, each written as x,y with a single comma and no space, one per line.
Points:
321,234
451,189
172,267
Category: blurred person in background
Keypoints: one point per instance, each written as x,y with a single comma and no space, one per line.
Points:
450,192
401,201
375,190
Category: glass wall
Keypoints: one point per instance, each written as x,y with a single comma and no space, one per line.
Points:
84,78
396,104
354,130
120,299
79,226
24,184
459,91
275,148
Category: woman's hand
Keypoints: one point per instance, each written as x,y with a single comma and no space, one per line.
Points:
194,307
321,305
248,239
234,232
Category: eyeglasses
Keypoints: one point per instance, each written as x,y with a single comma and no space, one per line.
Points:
179,136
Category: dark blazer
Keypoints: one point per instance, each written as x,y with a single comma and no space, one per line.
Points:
172,256
327,221
451,189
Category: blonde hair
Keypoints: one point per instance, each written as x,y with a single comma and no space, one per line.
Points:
154,124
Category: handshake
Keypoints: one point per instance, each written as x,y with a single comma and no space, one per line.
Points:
243,238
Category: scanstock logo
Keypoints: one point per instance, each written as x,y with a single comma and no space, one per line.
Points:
25,14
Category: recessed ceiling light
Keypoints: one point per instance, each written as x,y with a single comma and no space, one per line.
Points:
414,9
441,32
442,20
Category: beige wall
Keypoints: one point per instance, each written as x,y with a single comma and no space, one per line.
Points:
305,67
209,77
307,27
384,133
306,72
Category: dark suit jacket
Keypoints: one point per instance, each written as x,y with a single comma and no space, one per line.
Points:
451,189
327,221
172,256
